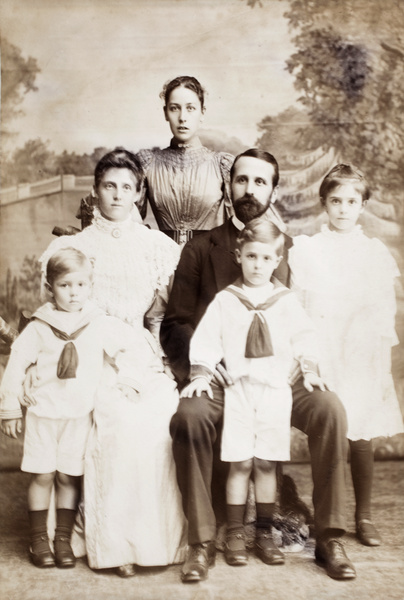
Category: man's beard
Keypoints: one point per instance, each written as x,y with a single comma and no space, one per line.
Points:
248,208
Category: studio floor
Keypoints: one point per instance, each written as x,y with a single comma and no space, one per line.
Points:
380,571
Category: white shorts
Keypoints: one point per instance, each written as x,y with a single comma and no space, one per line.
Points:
256,422
55,444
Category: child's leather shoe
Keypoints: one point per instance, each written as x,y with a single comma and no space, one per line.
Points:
267,550
64,557
235,551
40,552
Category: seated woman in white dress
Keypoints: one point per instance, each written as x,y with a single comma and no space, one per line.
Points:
132,506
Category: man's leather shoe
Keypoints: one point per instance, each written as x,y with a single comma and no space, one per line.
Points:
126,571
200,558
331,556
40,552
235,551
267,550
367,533
64,557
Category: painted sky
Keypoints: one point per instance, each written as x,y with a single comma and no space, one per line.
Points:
104,62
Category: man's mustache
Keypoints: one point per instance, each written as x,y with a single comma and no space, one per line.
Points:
246,199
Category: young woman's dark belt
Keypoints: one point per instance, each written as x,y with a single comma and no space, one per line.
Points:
181,236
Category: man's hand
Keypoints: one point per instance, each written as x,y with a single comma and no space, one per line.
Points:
129,393
221,376
196,387
311,380
11,427
30,383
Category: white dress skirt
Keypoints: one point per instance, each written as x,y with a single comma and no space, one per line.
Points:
132,504
346,285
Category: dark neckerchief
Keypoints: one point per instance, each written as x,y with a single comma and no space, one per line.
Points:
69,359
259,343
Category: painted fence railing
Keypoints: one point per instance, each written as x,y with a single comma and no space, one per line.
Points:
46,187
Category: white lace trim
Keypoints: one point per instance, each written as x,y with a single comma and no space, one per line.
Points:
110,226
129,270
357,230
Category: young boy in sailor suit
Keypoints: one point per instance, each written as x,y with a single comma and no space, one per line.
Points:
66,341
257,327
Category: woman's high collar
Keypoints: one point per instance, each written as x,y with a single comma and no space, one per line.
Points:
340,237
114,228
195,142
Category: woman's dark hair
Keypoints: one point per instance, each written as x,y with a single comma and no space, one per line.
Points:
118,159
261,155
262,230
187,82
344,173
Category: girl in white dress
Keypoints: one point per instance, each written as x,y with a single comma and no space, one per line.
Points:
132,504
346,283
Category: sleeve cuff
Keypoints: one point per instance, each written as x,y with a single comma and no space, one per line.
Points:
10,414
309,366
200,371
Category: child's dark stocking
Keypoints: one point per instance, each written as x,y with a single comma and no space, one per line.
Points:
235,550
64,556
67,494
235,518
362,479
265,515
362,476
40,552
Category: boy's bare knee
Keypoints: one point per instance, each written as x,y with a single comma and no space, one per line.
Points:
243,466
63,479
264,466
43,479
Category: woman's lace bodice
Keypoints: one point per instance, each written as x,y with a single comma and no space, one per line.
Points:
132,264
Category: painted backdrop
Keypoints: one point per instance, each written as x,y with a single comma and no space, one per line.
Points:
312,82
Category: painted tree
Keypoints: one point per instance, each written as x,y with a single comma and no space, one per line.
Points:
17,79
348,67
284,135
31,162
35,161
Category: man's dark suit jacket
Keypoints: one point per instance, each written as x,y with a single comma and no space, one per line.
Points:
207,265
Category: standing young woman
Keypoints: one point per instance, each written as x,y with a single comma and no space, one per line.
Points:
185,184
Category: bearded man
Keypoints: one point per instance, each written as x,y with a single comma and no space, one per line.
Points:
207,265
